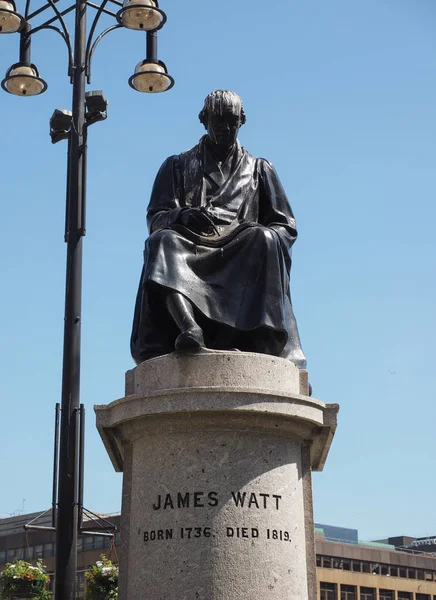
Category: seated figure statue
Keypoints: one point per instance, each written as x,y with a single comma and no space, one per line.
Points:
218,258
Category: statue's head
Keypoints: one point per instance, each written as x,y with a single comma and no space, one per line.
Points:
222,115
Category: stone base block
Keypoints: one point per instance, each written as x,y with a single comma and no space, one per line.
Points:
217,450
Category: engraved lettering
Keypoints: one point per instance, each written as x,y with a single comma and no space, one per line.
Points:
264,496
277,500
242,532
255,499
159,534
183,501
278,535
239,498
213,500
168,501
197,499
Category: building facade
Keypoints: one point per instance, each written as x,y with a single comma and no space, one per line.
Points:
385,570
347,569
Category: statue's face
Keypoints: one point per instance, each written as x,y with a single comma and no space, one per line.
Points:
223,127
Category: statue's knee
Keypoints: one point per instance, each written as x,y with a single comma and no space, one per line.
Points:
263,235
159,238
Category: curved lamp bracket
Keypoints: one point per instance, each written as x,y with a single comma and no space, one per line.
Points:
90,36
91,49
66,39
63,32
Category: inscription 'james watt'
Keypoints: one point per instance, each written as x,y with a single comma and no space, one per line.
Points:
204,499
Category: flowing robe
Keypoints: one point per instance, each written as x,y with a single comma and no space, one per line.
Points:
237,278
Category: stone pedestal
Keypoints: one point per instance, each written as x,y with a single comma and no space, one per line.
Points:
217,450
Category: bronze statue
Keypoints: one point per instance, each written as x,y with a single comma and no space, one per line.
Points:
218,258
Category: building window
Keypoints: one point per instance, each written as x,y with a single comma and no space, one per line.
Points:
367,593
356,566
337,563
411,573
38,551
10,555
48,549
393,571
405,596
423,597
28,554
428,576
118,538
387,595
403,572
318,560
420,575
348,592
107,542
88,542
328,591
375,569
384,570
2,556
98,542
326,562
366,567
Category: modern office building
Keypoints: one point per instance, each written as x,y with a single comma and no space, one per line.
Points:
400,568
390,569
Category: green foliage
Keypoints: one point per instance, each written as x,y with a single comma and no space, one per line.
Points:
102,580
25,579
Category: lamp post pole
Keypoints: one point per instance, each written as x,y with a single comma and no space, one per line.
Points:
22,79
67,517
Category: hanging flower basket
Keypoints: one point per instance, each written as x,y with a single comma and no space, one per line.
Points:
23,588
20,579
102,580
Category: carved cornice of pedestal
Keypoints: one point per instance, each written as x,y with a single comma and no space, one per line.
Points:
213,390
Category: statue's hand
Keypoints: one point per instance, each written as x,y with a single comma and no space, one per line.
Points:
197,220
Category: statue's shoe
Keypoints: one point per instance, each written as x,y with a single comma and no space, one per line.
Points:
191,339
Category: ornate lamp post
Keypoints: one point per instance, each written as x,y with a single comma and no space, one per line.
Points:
22,79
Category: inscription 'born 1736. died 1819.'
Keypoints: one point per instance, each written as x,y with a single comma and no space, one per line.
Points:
217,262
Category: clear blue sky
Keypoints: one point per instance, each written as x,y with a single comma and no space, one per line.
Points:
341,97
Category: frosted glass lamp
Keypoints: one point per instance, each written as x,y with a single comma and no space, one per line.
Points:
10,20
23,80
142,15
151,77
